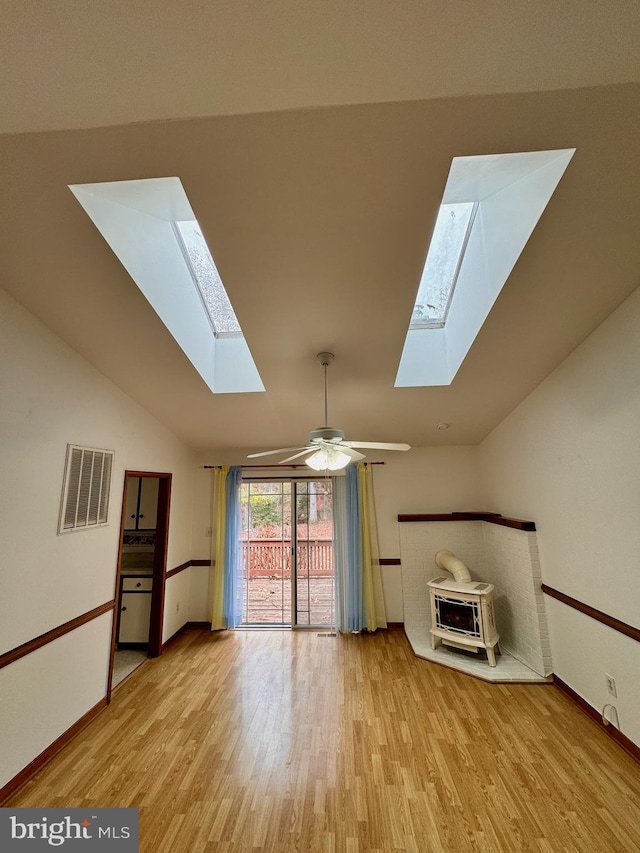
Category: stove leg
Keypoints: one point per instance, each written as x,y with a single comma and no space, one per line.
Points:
491,654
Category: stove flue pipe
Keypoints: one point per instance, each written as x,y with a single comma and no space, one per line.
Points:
448,561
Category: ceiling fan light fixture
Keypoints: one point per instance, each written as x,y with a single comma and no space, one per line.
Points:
328,458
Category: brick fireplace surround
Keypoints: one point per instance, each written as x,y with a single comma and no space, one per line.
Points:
497,550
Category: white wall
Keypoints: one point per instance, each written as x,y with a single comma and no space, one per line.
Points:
202,508
569,459
46,692
49,397
199,576
422,480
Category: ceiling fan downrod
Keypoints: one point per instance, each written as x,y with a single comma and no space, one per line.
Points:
325,359
326,433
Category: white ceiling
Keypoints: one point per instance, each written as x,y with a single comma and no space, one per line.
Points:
314,141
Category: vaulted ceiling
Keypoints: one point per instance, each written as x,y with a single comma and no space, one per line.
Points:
314,141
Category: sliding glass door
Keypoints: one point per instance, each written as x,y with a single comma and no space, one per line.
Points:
287,533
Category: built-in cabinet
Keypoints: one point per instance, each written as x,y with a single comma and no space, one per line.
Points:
141,509
135,608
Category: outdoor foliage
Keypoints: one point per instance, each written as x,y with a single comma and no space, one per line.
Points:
267,510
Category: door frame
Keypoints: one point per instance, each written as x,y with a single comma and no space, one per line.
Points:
294,482
154,648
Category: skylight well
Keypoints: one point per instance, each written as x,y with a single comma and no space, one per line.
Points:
490,207
153,231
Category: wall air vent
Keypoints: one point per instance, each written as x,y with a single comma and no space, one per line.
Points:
85,491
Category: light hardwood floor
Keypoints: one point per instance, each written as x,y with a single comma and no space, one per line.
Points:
280,741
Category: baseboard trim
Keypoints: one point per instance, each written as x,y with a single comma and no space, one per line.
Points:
615,734
206,626
53,749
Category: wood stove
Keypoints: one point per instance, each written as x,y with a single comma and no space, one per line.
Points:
462,616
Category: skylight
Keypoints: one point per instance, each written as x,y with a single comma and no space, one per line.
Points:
490,207
450,236
154,232
207,279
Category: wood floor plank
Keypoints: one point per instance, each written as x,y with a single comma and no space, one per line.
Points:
283,741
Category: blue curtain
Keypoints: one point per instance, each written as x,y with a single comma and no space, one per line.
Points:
348,552
354,615
359,595
233,549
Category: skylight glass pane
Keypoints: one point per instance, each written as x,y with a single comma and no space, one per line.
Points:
208,279
441,268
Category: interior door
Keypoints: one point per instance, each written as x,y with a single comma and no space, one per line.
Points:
287,532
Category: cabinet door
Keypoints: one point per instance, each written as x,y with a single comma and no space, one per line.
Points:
135,613
141,510
131,507
148,503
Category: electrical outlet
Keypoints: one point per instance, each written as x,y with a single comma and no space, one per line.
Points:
611,685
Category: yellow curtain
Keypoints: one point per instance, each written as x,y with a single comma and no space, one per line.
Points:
372,595
218,523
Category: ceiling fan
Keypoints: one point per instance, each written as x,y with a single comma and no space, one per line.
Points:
327,448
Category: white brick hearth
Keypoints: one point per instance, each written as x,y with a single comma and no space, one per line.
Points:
502,556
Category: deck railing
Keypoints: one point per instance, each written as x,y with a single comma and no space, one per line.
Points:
263,558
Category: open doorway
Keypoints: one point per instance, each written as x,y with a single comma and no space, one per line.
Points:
140,579
287,548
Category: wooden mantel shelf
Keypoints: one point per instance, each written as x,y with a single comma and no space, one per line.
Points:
490,517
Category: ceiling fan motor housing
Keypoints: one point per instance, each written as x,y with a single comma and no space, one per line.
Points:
326,433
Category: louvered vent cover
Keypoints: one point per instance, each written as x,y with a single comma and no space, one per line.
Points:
85,493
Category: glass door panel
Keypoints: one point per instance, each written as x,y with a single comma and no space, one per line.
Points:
314,554
266,551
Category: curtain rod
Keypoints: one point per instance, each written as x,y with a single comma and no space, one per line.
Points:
281,467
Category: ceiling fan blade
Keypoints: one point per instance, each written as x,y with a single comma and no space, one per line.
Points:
297,455
378,445
352,454
272,452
